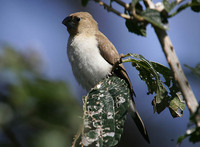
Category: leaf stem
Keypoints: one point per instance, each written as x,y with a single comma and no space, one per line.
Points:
181,8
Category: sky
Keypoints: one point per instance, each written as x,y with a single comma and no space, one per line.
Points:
36,25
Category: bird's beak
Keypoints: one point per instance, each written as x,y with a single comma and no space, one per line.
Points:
67,21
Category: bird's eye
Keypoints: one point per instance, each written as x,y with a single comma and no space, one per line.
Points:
78,19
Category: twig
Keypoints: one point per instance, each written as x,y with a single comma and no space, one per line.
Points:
175,66
123,4
181,8
112,9
77,137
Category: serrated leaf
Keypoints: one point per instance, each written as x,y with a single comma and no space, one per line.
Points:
166,91
84,2
169,6
105,109
155,18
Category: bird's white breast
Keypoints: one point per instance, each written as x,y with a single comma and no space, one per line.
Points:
88,66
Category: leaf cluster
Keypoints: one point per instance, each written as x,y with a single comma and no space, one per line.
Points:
159,80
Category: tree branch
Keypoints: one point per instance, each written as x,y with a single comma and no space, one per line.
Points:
107,7
173,61
123,4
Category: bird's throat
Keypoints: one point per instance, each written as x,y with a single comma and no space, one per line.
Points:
88,66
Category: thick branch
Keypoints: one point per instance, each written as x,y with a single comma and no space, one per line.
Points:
176,68
175,65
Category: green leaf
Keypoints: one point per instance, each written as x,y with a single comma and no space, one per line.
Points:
84,2
105,109
194,132
167,92
181,138
155,18
195,70
136,27
195,135
195,5
176,106
169,6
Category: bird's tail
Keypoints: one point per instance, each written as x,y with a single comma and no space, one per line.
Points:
138,121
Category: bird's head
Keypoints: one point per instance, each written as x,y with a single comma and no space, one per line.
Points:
80,22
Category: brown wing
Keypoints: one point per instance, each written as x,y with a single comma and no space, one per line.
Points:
110,54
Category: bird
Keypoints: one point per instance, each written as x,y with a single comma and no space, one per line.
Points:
92,57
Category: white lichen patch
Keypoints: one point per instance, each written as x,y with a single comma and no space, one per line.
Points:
107,129
86,141
110,134
86,124
110,115
98,86
101,95
121,100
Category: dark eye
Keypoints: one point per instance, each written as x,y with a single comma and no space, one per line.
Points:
78,19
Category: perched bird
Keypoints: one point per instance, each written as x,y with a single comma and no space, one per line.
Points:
92,57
